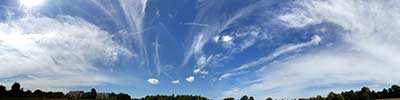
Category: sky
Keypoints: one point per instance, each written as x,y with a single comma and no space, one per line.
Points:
214,48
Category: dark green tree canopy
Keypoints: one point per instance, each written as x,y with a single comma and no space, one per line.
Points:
229,98
16,87
244,97
251,98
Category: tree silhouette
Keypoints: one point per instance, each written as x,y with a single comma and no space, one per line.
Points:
229,98
3,90
244,97
93,93
333,96
15,90
269,98
38,93
251,98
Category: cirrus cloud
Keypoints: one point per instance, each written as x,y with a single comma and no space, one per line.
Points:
36,50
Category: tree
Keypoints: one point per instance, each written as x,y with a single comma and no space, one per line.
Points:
251,98
396,91
15,90
28,93
244,97
385,93
93,93
123,96
365,89
16,87
3,90
269,98
333,96
229,98
364,96
38,93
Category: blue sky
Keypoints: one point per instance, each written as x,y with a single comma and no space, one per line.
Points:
213,48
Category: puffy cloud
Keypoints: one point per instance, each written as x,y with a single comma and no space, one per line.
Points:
175,82
153,81
227,41
190,79
56,50
227,38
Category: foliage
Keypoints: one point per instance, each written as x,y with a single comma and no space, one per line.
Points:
251,98
244,97
173,97
229,98
364,93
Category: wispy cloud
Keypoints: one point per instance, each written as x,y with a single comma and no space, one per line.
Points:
282,50
264,60
210,13
175,82
196,24
365,55
50,48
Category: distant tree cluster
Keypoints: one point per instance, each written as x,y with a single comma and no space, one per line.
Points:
364,94
17,91
245,97
173,97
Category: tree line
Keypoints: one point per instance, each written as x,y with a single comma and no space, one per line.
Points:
363,94
173,97
17,92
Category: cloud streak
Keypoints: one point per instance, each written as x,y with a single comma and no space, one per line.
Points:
365,55
50,48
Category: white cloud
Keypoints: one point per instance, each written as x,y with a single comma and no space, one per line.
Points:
282,50
227,38
216,38
175,82
56,50
190,79
197,24
224,76
367,53
199,71
227,75
227,41
153,81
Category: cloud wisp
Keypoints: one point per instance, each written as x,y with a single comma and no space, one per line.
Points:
365,55
46,49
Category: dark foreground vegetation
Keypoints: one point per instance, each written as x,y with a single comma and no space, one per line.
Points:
364,94
18,93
